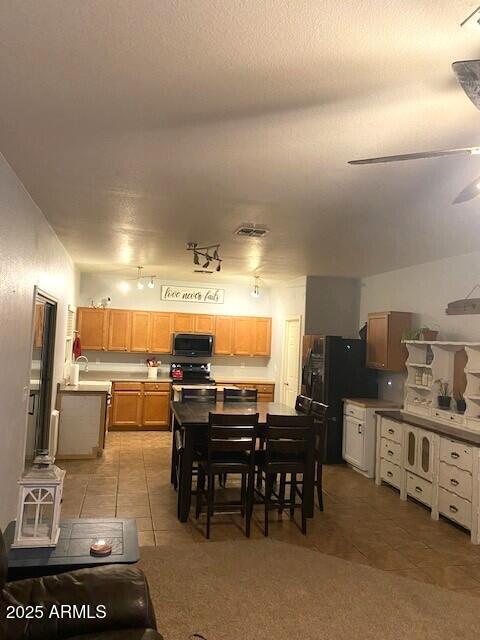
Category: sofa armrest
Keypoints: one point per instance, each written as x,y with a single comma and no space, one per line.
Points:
115,597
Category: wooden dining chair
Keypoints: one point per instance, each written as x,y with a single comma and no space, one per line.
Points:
303,404
289,451
319,410
239,395
230,449
200,394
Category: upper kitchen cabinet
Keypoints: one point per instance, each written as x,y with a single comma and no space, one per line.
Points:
223,343
263,331
183,323
244,336
204,324
119,330
385,350
141,331
161,332
92,326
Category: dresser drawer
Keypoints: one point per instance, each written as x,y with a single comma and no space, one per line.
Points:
391,451
447,416
157,386
456,480
455,508
456,453
390,472
392,430
264,388
127,386
419,488
354,411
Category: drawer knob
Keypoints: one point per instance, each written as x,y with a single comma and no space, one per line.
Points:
389,474
454,482
454,455
390,452
391,430
452,508
418,489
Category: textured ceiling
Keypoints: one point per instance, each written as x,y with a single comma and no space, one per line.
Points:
138,125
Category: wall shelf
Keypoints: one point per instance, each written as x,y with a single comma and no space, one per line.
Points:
420,386
421,366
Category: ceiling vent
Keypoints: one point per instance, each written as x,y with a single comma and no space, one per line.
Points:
251,231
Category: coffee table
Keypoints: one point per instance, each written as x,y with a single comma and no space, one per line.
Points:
73,548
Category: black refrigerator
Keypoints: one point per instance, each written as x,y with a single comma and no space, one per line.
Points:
334,368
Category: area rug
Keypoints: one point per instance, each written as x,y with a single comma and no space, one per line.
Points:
267,590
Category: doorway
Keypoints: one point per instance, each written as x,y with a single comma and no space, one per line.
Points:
291,361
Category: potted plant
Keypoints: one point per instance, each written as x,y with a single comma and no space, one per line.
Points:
444,398
461,404
428,335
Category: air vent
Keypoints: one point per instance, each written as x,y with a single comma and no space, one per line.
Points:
251,231
201,271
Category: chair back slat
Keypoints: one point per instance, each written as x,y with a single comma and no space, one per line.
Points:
303,404
229,433
240,395
199,395
291,437
288,446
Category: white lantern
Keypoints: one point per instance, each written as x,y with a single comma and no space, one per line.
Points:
38,512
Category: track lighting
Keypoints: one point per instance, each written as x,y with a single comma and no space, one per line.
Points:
139,284
151,284
140,281
255,292
204,252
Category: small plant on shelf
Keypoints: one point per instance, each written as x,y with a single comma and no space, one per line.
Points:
424,333
444,397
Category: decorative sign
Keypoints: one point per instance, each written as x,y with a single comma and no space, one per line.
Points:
192,294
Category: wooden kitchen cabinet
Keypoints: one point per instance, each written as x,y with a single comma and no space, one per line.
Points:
92,327
156,409
263,331
119,330
385,350
126,409
161,332
243,336
223,343
141,331
204,324
183,322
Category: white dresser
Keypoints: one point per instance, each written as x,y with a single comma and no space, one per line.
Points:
435,464
359,428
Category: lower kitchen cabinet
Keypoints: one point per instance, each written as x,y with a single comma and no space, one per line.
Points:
140,406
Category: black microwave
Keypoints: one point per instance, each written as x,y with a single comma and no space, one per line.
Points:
193,345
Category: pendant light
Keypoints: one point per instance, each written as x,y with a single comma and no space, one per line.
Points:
151,284
255,292
139,278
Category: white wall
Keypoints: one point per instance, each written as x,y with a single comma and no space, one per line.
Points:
332,306
425,290
30,254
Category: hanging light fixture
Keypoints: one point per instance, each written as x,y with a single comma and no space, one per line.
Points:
255,292
151,284
206,253
139,278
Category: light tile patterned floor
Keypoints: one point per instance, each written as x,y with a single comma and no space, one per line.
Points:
361,522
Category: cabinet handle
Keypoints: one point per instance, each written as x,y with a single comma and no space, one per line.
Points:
391,430
390,452
454,482
389,474
419,489
452,508
454,455
359,428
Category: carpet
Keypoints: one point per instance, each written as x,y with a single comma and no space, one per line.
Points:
263,589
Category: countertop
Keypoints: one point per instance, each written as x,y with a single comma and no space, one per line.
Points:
459,433
121,376
371,403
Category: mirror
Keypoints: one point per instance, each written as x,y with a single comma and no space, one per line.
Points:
41,375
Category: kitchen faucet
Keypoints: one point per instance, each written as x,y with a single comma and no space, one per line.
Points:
86,362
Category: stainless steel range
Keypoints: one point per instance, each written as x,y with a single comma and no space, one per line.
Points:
191,373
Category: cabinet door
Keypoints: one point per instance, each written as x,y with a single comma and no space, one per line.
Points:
223,336
377,341
156,409
354,442
263,329
411,449
425,454
141,329
183,323
126,409
92,326
119,330
161,333
204,324
243,336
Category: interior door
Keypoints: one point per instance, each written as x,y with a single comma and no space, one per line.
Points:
354,442
291,362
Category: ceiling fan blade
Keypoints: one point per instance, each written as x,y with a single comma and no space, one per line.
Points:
468,76
418,156
470,192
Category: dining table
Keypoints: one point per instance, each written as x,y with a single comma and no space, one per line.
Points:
191,420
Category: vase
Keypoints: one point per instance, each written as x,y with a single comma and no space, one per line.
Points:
152,372
444,402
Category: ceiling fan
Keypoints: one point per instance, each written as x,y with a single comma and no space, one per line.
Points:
468,76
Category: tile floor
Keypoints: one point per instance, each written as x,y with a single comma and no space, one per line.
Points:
362,522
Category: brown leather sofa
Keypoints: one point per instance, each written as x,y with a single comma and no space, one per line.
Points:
121,589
